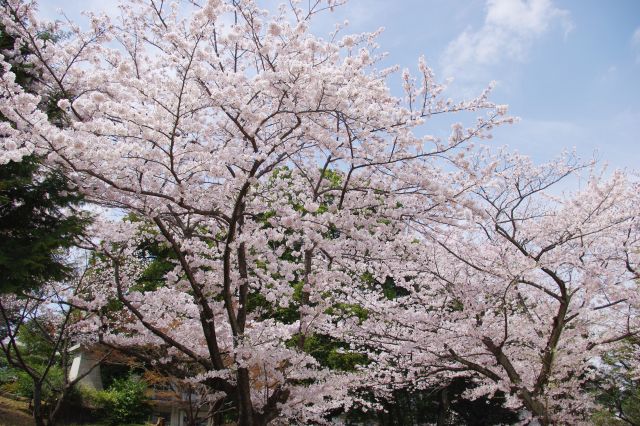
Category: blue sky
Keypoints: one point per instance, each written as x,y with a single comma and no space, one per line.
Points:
570,69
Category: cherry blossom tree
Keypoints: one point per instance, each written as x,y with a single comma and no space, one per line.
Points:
523,291
264,158
279,173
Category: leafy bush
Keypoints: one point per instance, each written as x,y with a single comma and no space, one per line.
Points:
24,384
17,382
8,381
124,402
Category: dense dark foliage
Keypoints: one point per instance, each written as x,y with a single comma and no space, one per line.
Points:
37,222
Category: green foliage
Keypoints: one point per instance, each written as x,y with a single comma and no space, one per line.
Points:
257,303
9,381
330,352
124,402
605,417
36,347
23,70
24,383
35,350
617,388
389,288
348,310
35,227
159,261
109,373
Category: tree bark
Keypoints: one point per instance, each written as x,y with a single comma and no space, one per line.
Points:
245,406
304,302
443,407
38,416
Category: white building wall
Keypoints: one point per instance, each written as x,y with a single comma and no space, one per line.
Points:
82,362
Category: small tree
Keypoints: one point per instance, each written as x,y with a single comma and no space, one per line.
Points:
35,337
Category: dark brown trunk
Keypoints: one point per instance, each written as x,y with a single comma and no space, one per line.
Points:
308,254
245,406
38,416
530,401
443,407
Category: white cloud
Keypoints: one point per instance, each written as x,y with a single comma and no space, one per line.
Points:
509,29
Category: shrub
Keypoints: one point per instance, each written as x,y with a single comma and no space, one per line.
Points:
124,402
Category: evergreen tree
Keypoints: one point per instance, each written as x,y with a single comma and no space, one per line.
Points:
37,220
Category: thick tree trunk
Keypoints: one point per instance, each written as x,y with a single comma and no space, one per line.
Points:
245,406
535,406
443,407
308,254
247,416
